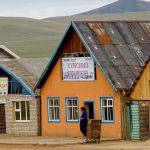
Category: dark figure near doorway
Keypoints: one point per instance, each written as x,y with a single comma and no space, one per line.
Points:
83,121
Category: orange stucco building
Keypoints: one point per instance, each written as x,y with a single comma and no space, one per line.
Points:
84,91
95,66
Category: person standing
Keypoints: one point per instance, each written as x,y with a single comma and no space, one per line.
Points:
83,121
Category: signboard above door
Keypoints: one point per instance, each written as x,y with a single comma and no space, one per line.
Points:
78,69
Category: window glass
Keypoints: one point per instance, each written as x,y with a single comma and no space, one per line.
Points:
22,111
17,115
72,109
107,109
53,109
17,105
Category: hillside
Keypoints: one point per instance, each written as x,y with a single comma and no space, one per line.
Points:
39,38
29,37
121,6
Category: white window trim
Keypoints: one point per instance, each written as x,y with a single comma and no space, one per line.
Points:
48,107
107,106
71,98
19,110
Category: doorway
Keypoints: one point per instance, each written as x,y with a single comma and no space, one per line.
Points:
2,119
89,105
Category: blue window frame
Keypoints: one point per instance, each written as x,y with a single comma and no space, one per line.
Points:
72,109
107,109
53,109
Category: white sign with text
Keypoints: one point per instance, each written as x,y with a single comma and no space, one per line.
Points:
78,69
3,86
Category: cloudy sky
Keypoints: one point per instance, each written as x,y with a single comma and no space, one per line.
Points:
48,8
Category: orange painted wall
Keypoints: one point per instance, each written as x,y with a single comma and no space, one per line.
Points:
84,90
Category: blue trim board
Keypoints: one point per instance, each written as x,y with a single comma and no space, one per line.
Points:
48,113
19,80
107,121
71,121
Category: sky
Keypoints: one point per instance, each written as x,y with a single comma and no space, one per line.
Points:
48,8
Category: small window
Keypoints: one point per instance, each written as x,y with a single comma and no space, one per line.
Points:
107,109
14,87
72,109
53,109
22,111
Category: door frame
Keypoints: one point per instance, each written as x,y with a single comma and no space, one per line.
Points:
90,101
5,116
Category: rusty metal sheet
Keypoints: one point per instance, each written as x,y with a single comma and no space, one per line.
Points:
113,33
125,72
112,55
126,54
87,33
125,32
100,54
122,57
115,77
138,53
146,28
100,33
136,70
138,32
146,50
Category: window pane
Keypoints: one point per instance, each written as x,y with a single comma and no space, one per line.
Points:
74,102
28,111
56,103
70,113
107,109
51,111
69,102
110,102
75,113
104,113
57,113
104,102
72,109
110,114
23,111
17,115
17,105
51,102
53,108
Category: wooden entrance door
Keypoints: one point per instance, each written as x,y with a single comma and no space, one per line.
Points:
126,122
2,119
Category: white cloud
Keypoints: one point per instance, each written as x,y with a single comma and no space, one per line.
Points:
48,8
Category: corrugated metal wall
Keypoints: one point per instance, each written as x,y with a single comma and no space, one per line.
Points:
135,121
140,120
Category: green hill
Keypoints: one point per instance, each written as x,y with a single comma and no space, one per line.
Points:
29,37
38,38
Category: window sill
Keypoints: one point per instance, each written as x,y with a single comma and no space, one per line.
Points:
107,122
22,121
53,121
72,121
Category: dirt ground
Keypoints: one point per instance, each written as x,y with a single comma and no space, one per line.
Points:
113,145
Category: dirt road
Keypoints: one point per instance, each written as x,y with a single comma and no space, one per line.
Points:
113,145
